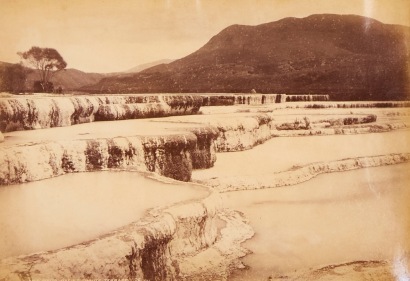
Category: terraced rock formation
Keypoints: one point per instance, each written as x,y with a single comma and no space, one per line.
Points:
172,155
187,241
27,113
154,248
39,112
304,173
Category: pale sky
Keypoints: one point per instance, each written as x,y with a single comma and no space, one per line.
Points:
115,35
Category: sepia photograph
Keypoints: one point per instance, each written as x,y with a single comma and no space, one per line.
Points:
178,140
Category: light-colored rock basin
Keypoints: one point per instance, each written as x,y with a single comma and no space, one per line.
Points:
334,218
284,153
191,239
71,209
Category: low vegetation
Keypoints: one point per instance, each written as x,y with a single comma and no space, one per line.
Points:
298,124
349,121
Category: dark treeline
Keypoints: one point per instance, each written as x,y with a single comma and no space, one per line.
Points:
13,78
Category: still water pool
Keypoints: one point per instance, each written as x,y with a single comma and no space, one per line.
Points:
74,208
334,218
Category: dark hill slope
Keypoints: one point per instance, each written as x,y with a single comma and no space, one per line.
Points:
69,79
349,57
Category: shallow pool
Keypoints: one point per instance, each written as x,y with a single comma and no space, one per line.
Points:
74,208
334,218
282,153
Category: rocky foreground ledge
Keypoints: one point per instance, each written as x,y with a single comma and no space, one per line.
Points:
173,243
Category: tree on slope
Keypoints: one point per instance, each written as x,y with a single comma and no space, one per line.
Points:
47,61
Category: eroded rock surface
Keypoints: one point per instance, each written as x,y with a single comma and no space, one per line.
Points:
169,244
36,112
172,155
181,242
140,250
301,174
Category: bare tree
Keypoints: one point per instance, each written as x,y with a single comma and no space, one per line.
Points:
47,61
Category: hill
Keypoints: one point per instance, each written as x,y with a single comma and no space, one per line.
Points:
12,77
68,79
144,66
349,57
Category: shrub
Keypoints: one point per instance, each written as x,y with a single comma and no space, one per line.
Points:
41,87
